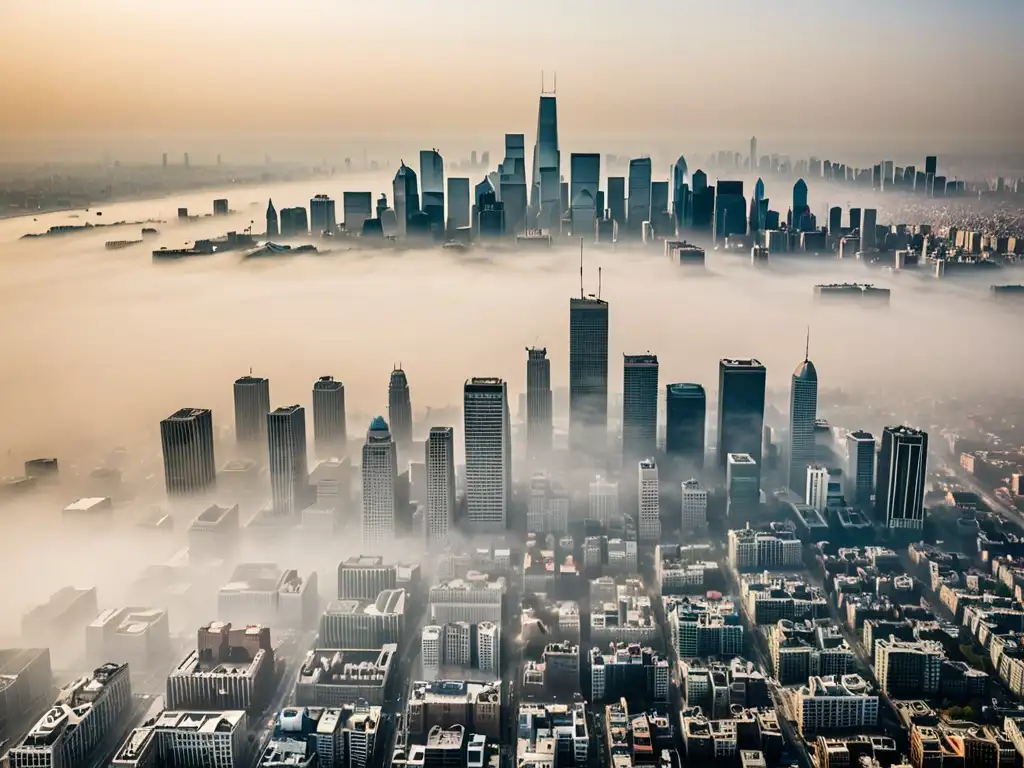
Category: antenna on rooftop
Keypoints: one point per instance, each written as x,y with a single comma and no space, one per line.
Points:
807,346
598,283
581,266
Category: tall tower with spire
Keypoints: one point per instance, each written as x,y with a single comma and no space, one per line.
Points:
400,411
803,411
545,190
272,228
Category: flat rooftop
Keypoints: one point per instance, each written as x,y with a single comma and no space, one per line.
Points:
255,577
199,722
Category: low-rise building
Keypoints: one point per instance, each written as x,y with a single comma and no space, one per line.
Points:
835,704
212,739
445,703
333,677
232,667
364,624
137,636
263,593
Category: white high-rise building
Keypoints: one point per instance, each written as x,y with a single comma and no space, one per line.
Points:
603,500
695,504
380,472
458,646
488,454
488,647
440,484
289,470
649,512
431,647
548,511
817,487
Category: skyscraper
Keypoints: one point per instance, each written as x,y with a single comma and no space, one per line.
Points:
459,202
380,475
753,153
400,410
585,172
649,504
357,207
252,404
588,374
512,184
289,471
803,411
860,467
931,165
730,210
617,200
639,406
740,409
406,197
538,405
868,228
743,485
186,437
440,460
322,216
639,204
899,487
758,207
432,177
685,413
681,203
488,454
272,228
545,190
799,202
329,433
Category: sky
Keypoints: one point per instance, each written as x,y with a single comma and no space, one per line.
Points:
795,72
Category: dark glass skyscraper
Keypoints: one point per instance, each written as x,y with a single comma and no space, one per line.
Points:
322,216
741,386
803,411
617,199
289,471
512,187
357,207
860,468
585,170
329,433
639,407
407,197
703,201
272,227
681,205
899,488
400,411
538,405
799,202
730,209
545,192
588,374
432,178
685,414
186,437
639,203
459,202
252,404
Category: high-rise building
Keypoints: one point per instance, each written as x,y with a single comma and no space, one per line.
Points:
380,476
252,404
685,411
803,411
682,204
639,194
432,177
816,493
357,207
329,433
730,210
545,194
743,484
585,170
538,405
867,229
289,471
459,203
639,406
799,203
617,200
440,460
695,505
513,189
588,374
899,488
488,454
860,467
400,410
753,153
322,216
602,500
931,165
649,506
272,227
406,197
294,222
186,437
741,386
835,221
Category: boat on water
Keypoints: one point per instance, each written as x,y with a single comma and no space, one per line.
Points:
114,245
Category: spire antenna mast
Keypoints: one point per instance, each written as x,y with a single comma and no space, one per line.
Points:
807,345
581,266
598,283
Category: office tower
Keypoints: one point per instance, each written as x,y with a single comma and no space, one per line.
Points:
440,460
400,410
799,203
757,211
187,440
512,184
855,219
380,476
252,404
681,203
816,487
659,199
931,165
289,472
803,411
868,229
321,215
639,195
899,486
489,217
887,174
835,221
685,411
649,505
588,374
545,192
702,207
730,210
602,500
538,405
329,433
272,229
743,484
860,467
740,409
406,197
585,170
459,203
294,222
488,454
617,200
695,505
639,406
357,207
753,153
432,176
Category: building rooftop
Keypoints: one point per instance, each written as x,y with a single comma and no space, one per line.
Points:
199,722
454,690
87,504
340,666
187,414
389,601
131,621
